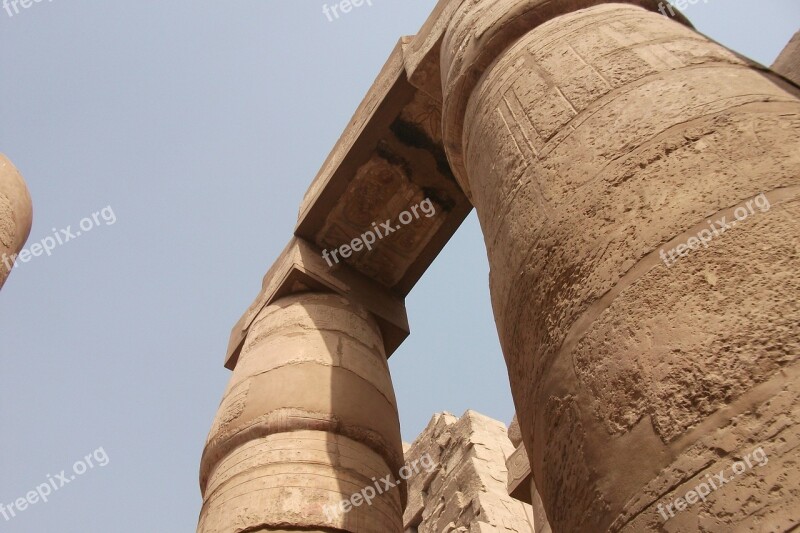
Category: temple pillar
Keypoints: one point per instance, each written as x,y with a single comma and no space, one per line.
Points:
637,185
308,420
16,216
788,62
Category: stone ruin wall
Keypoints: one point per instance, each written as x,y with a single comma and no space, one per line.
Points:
466,492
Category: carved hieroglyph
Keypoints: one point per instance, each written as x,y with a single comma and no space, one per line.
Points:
588,140
589,135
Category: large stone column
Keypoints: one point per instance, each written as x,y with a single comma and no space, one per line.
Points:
15,216
589,140
308,419
788,62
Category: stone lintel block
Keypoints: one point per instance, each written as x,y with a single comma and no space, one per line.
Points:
522,487
301,268
519,475
385,99
389,159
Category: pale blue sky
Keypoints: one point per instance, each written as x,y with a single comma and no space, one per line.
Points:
201,124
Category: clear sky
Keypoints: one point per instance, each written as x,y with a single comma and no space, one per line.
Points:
200,124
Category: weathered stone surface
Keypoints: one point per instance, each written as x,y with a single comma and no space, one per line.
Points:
16,215
788,62
521,485
514,432
588,141
540,522
589,135
467,490
389,159
308,419
519,475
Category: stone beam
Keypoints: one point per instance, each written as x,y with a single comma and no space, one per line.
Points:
389,159
519,475
521,485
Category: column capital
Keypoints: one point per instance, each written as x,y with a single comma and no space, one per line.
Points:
301,268
478,32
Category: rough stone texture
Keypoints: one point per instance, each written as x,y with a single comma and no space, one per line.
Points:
466,492
308,419
514,432
300,268
16,215
589,142
588,135
519,475
389,159
788,62
521,485
540,521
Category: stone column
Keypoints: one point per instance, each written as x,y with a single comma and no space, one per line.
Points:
788,62
16,216
308,420
593,143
